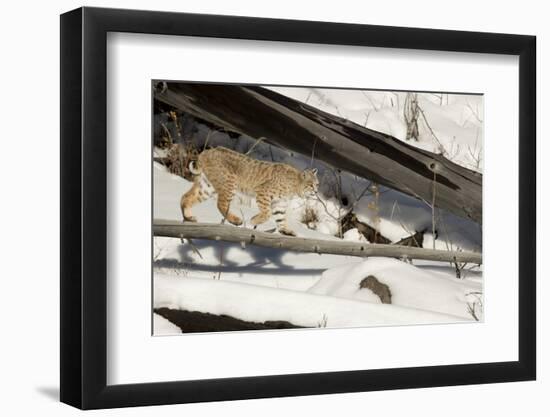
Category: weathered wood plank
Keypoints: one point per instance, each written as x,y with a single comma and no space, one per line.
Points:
244,236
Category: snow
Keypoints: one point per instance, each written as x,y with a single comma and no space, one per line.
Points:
163,326
410,286
354,236
255,303
306,289
259,284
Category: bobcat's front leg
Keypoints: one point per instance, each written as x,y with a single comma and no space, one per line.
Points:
263,200
278,210
188,200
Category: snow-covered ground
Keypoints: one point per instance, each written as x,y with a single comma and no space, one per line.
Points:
263,284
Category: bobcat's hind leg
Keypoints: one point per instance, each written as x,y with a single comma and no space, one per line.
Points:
199,192
188,200
225,196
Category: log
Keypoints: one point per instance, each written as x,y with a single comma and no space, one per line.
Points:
196,321
161,160
416,240
258,112
244,236
350,221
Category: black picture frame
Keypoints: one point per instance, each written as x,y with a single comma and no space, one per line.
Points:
84,179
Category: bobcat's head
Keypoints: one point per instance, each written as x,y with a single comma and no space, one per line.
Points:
310,183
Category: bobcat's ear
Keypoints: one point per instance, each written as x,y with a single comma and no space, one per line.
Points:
309,171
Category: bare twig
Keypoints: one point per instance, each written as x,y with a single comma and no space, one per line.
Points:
370,100
472,311
194,247
324,321
207,139
221,263
361,195
313,152
367,115
475,154
433,209
397,99
260,139
174,117
167,133
441,147
157,254
475,113
405,228
410,113
478,302
337,190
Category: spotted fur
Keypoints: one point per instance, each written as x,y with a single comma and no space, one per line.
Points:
223,172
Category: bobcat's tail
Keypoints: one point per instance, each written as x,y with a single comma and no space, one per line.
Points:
194,167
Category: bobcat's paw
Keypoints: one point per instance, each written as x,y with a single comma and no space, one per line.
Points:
259,219
190,219
287,232
237,221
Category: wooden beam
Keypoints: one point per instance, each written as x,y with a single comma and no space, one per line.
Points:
244,236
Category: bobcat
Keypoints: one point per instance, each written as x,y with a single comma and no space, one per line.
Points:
224,172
